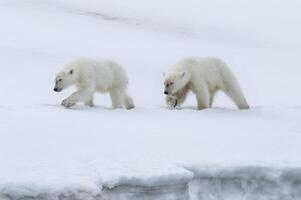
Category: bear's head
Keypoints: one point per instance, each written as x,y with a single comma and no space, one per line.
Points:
64,79
174,81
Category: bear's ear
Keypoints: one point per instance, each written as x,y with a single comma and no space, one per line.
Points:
71,71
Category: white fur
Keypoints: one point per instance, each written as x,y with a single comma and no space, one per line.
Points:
92,76
204,77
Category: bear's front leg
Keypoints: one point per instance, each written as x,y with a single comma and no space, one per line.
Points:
202,96
68,102
171,101
90,103
79,96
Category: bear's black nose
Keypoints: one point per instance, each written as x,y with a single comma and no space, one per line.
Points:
56,90
165,92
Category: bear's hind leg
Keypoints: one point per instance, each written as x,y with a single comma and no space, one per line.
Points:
235,94
233,90
128,102
117,98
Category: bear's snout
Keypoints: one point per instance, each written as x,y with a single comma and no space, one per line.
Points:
57,89
166,92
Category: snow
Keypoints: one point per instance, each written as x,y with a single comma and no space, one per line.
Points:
246,182
151,152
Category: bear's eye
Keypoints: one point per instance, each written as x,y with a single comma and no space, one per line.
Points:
171,83
60,80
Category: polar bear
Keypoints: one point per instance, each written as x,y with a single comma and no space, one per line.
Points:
204,77
92,76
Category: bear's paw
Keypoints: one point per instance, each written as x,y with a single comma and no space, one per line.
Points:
68,103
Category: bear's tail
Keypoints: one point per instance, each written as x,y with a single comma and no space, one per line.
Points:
129,103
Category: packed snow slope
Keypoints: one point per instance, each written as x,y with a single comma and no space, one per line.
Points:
151,152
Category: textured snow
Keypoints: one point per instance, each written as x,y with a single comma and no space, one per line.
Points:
246,182
151,152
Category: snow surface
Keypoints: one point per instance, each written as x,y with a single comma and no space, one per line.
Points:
151,152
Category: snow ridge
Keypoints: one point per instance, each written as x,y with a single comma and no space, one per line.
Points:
219,183
248,183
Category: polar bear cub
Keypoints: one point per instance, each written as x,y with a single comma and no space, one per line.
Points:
92,76
204,77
